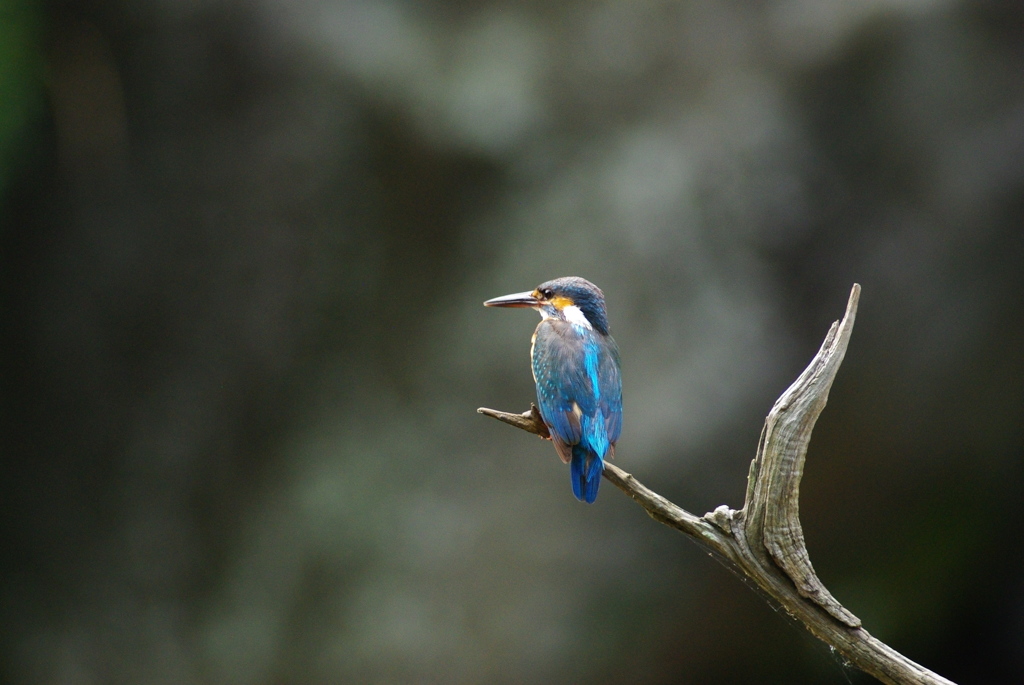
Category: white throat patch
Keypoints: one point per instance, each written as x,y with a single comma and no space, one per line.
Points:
573,314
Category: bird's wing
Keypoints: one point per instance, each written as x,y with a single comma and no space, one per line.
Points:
560,377
610,379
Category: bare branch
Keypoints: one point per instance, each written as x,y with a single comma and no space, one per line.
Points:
773,498
764,540
529,421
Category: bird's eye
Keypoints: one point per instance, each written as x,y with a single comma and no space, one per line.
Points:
547,293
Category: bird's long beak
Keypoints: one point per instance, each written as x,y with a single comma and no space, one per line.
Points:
526,299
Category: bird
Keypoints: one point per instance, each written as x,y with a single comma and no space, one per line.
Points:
576,369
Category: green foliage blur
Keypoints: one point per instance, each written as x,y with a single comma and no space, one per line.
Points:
21,80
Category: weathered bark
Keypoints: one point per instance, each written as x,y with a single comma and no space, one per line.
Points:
764,539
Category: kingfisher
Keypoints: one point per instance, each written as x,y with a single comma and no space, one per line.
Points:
576,370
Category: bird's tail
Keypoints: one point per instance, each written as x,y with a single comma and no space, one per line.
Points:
585,469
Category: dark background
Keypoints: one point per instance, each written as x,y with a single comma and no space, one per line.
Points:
244,247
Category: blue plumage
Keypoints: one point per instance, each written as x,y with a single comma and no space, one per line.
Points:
576,369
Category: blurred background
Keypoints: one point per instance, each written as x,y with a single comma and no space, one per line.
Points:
244,249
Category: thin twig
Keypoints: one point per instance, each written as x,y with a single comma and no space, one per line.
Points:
764,539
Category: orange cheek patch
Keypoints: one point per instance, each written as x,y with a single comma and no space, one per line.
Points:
561,302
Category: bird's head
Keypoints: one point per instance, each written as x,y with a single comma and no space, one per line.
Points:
570,298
